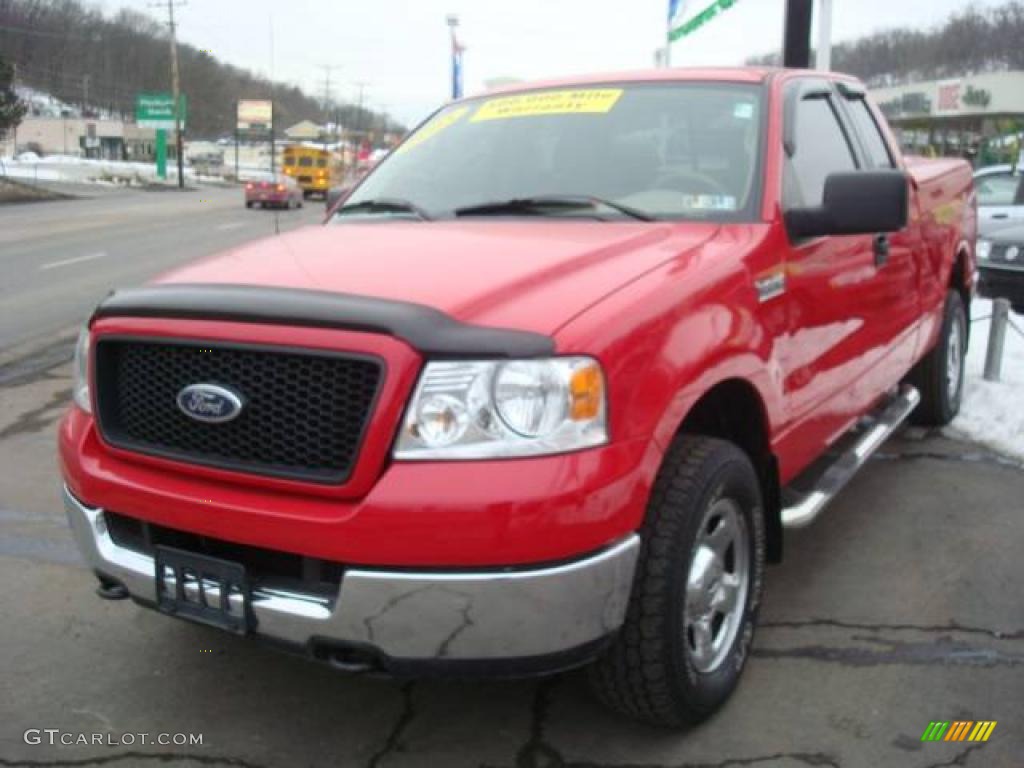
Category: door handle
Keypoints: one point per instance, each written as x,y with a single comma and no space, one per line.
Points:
1000,215
881,250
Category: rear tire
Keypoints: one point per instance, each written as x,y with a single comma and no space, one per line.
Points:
684,643
939,376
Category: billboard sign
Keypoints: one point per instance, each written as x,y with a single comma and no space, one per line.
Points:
156,110
255,115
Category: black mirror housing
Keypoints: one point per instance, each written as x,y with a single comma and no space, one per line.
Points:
855,203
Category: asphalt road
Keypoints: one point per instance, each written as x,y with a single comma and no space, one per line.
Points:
58,259
901,606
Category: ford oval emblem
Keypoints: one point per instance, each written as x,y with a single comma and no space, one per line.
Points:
210,403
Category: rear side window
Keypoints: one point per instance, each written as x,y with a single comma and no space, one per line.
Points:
999,189
821,149
870,134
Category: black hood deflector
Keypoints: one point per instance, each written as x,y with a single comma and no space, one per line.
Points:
428,330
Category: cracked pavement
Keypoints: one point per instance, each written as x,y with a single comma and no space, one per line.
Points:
900,606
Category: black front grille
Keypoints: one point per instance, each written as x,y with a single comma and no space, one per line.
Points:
304,414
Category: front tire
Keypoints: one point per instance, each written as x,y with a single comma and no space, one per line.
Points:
939,376
696,591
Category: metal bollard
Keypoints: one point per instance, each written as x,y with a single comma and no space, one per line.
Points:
996,339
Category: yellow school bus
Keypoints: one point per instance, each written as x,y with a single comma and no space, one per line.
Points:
315,169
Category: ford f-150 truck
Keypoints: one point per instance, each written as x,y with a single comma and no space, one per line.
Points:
544,390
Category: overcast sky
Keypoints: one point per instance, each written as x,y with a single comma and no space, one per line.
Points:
400,48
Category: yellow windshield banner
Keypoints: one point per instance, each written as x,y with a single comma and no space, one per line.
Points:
433,128
577,101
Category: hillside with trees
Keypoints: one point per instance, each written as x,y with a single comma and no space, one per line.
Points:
970,41
77,54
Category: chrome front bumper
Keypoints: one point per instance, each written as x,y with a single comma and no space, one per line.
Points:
416,616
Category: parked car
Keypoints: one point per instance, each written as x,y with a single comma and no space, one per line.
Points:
544,391
1001,265
1000,197
281,192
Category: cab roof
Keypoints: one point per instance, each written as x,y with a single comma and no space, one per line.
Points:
673,74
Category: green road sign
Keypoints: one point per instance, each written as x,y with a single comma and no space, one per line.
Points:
700,19
156,110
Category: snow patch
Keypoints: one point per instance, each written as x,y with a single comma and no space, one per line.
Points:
992,412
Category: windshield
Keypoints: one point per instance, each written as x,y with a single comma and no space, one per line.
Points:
679,150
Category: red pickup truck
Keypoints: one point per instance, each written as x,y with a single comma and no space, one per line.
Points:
544,390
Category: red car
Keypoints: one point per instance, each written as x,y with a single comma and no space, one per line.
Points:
544,390
284,192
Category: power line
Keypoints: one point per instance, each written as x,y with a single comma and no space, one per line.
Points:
327,92
97,37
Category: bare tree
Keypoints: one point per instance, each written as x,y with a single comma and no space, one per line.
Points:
12,109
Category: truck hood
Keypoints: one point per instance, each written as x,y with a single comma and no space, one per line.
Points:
530,275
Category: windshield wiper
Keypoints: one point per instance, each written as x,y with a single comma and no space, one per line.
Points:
539,203
385,204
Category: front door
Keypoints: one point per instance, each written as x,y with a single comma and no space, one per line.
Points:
852,300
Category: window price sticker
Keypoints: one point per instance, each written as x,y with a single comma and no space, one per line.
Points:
577,101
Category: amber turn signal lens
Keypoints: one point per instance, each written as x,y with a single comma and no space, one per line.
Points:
586,393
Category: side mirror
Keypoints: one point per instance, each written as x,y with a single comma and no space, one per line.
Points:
854,203
334,194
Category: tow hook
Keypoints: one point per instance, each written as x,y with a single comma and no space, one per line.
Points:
109,589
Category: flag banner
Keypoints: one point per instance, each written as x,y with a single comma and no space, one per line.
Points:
683,24
457,73
676,8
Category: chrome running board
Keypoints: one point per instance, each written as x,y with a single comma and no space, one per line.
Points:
800,509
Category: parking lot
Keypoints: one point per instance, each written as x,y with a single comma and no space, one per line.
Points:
901,606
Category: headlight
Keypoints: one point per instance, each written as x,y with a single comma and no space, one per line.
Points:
983,249
495,409
80,391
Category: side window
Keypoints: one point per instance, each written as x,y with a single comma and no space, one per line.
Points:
867,128
998,189
821,149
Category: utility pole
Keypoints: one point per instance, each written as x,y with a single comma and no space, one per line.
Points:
796,47
360,87
823,60
328,99
85,94
13,83
273,113
176,89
